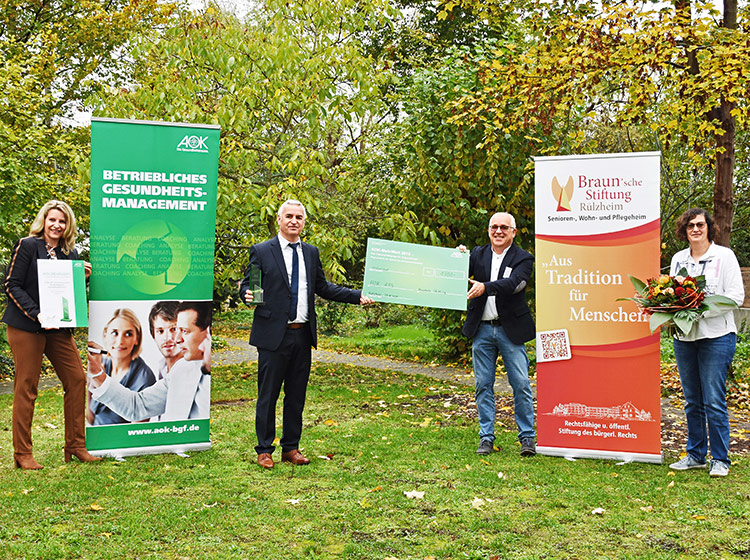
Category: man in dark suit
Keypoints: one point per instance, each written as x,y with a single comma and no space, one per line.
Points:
284,328
499,321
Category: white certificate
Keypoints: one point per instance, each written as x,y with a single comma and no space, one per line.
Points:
62,293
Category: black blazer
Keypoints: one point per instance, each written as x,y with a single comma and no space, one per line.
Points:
270,319
22,282
510,293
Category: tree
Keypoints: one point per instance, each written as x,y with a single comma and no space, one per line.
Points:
671,67
53,54
297,100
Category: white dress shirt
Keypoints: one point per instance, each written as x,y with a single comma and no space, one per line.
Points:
490,308
302,306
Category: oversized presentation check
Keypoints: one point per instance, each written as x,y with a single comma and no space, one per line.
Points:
412,274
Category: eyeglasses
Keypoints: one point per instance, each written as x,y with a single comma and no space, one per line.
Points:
502,228
699,225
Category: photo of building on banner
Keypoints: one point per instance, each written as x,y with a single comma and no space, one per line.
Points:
153,215
598,390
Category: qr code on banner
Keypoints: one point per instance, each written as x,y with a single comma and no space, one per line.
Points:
552,346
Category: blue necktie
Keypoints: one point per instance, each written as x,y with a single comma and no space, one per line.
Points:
295,282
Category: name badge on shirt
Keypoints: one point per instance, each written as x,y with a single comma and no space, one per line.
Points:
507,271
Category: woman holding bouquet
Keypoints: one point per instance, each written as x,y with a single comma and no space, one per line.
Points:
705,353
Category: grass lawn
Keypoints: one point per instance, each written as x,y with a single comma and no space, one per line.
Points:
373,436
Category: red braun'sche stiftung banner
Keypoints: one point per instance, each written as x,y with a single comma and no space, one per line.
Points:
597,221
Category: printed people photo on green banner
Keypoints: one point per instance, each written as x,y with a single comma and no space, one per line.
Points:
149,363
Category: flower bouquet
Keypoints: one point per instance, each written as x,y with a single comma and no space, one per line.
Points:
676,302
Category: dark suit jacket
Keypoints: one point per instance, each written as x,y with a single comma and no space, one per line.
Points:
22,282
270,318
510,293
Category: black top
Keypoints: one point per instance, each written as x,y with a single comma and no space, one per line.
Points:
509,291
22,282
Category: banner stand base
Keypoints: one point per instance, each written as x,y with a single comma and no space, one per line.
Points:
152,450
572,453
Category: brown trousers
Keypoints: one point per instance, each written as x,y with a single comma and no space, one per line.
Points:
28,348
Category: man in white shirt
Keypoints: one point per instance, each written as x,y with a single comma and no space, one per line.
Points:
499,321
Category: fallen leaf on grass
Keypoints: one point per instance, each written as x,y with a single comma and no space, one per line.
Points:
27,490
276,440
426,422
365,503
477,503
209,505
670,473
330,422
671,484
96,507
699,517
485,462
376,489
293,501
647,508
414,494
598,511
500,475
50,426
324,457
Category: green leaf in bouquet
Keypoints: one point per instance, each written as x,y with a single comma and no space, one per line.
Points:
719,303
639,285
684,321
658,319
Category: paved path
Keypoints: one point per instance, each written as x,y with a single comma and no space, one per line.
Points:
239,351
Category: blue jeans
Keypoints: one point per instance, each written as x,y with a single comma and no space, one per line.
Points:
703,366
488,342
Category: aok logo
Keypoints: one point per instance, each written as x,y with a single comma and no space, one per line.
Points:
192,143
562,194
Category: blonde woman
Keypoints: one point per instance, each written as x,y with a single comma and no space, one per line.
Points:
123,336
51,236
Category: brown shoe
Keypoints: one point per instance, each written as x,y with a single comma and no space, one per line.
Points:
81,454
265,460
26,462
294,457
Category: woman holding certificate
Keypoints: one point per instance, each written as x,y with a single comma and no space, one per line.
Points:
51,236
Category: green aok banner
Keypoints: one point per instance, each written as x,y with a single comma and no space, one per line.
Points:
153,220
153,209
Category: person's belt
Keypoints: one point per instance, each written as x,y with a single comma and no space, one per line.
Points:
494,322
295,325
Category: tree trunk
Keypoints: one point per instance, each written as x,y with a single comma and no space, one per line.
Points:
724,184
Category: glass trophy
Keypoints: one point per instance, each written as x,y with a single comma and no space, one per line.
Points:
255,285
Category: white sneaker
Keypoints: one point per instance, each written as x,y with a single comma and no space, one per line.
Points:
719,468
687,462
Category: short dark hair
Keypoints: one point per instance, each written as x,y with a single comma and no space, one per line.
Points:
165,309
680,228
203,310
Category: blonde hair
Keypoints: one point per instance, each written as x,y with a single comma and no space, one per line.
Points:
68,241
131,317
